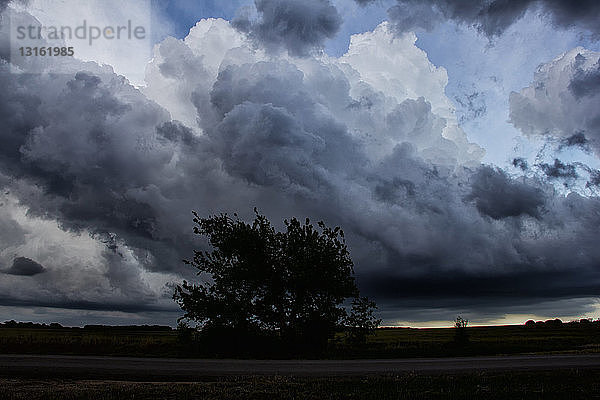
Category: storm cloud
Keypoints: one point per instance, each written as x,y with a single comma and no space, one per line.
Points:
368,141
558,169
492,17
496,195
585,82
25,267
575,140
298,26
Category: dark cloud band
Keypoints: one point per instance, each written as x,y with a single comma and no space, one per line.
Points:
492,17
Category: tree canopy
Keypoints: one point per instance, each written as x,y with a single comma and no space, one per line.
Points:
297,285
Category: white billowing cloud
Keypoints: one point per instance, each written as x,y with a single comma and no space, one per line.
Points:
180,67
365,89
212,39
483,72
393,66
396,67
563,99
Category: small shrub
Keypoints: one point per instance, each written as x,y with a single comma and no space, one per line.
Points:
185,334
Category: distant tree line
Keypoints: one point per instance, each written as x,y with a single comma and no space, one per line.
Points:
55,325
557,322
30,325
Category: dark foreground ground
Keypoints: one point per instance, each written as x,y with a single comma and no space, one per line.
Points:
555,384
402,363
513,377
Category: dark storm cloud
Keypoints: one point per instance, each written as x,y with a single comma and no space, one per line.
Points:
594,179
395,190
541,272
298,26
85,149
559,170
497,196
25,267
85,177
567,13
270,131
460,288
137,307
576,140
492,17
520,163
585,82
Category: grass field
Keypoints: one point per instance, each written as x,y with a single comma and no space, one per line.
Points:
385,343
487,340
569,384
91,342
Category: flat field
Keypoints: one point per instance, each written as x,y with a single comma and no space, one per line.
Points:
485,340
385,343
78,341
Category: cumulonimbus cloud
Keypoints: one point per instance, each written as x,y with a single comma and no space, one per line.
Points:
375,149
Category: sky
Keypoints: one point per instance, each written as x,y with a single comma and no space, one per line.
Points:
456,143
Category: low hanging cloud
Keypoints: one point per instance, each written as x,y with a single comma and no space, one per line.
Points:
491,17
498,196
297,26
112,172
24,266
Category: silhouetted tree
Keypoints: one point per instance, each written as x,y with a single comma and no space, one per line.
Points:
259,283
361,321
461,335
554,323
